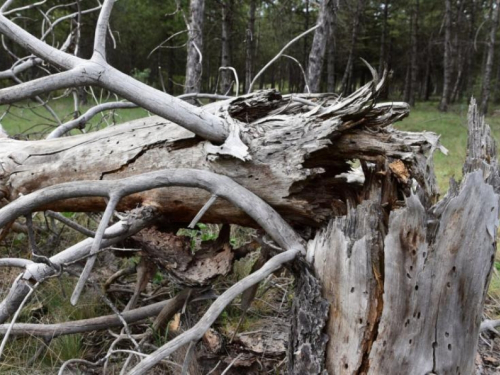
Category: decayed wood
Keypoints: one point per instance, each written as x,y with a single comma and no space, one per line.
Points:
297,157
307,340
437,269
348,259
195,333
406,290
173,254
267,218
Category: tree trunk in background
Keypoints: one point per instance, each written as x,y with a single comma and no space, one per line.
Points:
407,86
458,48
250,45
496,93
382,62
426,87
318,48
414,52
331,45
225,74
306,27
485,94
406,287
194,47
469,67
445,97
346,79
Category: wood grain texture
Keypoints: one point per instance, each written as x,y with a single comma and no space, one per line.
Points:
297,157
407,286
347,258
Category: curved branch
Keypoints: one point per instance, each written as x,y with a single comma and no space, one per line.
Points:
96,245
83,119
237,88
301,69
199,329
26,7
195,119
490,325
222,186
65,17
14,318
63,80
278,55
137,220
36,46
25,65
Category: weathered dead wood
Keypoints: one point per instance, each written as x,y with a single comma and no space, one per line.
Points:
253,206
348,259
407,290
297,157
137,220
307,340
195,333
173,254
93,324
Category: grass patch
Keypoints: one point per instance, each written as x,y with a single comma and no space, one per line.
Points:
49,305
28,117
452,126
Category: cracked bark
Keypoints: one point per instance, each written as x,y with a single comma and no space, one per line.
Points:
319,44
297,157
195,47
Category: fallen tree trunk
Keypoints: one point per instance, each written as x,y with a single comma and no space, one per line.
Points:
300,156
394,260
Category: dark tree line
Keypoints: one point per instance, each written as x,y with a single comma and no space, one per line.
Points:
441,50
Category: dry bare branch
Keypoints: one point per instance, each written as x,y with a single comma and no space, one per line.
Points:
83,119
199,329
278,56
90,72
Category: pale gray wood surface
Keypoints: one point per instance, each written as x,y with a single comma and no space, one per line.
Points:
407,290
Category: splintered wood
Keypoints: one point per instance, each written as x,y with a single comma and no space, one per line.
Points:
406,290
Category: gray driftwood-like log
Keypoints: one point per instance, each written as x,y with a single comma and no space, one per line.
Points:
406,288
300,157
404,277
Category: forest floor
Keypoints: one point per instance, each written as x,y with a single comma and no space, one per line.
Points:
271,302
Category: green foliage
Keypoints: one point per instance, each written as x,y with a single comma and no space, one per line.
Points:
203,233
141,75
